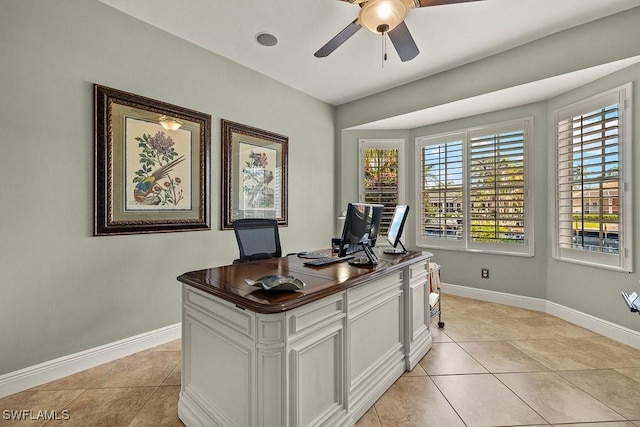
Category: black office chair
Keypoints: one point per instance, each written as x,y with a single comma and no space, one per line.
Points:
258,238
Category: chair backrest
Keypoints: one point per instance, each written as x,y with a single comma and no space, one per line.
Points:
258,238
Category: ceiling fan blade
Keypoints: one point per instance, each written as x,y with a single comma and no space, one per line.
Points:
337,41
426,3
403,42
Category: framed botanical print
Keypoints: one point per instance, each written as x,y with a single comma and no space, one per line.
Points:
151,165
254,168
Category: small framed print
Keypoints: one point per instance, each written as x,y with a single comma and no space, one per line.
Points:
254,181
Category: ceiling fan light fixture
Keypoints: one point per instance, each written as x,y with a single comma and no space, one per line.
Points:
380,16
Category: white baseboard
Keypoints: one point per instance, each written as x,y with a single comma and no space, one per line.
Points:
530,303
32,376
603,327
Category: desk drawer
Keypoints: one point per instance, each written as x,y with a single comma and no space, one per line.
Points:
418,271
368,290
312,316
220,310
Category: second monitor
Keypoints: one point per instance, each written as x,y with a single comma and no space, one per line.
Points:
395,230
360,231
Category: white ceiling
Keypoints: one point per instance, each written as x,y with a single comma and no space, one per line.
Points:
447,36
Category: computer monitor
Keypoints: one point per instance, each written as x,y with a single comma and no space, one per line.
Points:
358,224
400,215
378,210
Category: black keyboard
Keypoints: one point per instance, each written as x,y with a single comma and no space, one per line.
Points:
326,260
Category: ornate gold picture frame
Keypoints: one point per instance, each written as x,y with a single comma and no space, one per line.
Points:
254,174
151,165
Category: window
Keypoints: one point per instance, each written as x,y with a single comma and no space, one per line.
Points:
593,177
381,176
496,187
473,192
442,197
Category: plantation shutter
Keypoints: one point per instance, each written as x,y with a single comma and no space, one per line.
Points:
497,187
442,191
473,189
588,153
381,183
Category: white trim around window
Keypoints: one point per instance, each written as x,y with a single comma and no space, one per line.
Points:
474,189
593,196
383,193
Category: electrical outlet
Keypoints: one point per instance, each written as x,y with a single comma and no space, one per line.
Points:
484,273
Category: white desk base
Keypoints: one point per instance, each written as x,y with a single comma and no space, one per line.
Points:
325,363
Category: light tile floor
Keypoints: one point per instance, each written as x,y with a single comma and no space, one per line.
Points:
492,365
495,365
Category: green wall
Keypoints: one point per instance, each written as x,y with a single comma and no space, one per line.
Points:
592,291
63,290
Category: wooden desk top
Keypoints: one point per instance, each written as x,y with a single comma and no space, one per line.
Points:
228,282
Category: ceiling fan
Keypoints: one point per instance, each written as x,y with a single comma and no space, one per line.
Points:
384,17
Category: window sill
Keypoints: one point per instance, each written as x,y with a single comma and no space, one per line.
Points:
478,251
593,264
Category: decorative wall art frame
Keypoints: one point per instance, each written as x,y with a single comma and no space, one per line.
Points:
151,165
254,174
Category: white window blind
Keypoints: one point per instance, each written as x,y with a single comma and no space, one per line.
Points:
592,148
442,191
473,189
381,176
497,193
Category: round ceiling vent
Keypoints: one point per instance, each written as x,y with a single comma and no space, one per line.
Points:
266,39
